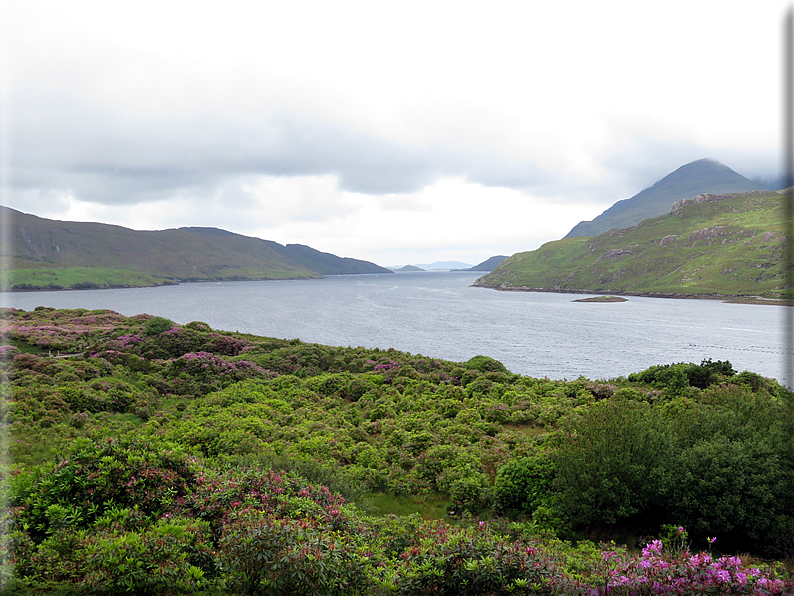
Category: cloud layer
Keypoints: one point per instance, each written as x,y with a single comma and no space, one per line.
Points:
378,131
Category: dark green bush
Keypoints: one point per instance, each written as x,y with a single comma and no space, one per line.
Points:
523,484
676,377
612,463
157,325
485,364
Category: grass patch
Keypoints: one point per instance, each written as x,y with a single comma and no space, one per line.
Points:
528,430
429,506
35,446
79,278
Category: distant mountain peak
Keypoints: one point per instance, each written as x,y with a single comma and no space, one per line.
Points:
701,176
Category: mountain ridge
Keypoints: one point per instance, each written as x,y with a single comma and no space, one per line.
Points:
37,248
688,181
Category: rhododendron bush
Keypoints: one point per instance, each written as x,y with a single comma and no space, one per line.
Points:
148,457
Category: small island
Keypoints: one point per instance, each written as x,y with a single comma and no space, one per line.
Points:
602,299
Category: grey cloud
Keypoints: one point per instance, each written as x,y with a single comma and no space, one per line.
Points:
108,156
63,142
649,161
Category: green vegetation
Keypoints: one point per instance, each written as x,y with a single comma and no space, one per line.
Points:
80,278
717,245
168,459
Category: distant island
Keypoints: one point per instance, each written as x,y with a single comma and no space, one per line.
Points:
602,299
44,254
487,265
435,266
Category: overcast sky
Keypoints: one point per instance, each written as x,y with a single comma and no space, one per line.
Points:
397,132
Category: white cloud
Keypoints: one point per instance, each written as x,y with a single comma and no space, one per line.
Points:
303,199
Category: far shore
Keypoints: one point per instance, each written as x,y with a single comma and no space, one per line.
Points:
731,299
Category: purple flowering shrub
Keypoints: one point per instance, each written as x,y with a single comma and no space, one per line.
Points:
7,352
199,373
654,572
220,498
102,474
65,330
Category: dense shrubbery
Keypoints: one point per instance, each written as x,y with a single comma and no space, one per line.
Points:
194,461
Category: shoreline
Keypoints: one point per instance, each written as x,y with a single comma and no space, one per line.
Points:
175,282
73,289
727,298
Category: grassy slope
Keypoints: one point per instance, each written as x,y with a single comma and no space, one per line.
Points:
75,276
731,246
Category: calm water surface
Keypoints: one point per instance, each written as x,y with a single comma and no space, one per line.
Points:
438,314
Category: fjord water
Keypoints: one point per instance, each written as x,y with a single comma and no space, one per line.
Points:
439,315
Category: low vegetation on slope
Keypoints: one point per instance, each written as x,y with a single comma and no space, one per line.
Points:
156,458
716,244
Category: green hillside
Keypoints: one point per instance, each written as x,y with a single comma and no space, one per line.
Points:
687,182
713,245
44,253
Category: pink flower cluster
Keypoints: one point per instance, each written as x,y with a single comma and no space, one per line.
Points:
654,573
390,365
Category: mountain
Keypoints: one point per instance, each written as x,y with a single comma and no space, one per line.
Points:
710,245
488,264
322,262
40,252
688,181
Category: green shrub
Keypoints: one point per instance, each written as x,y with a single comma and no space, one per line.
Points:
612,463
676,377
523,484
97,475
171,557
485,364
157,325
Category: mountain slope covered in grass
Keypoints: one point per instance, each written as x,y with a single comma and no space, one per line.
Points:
41,252
713,244
687,182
